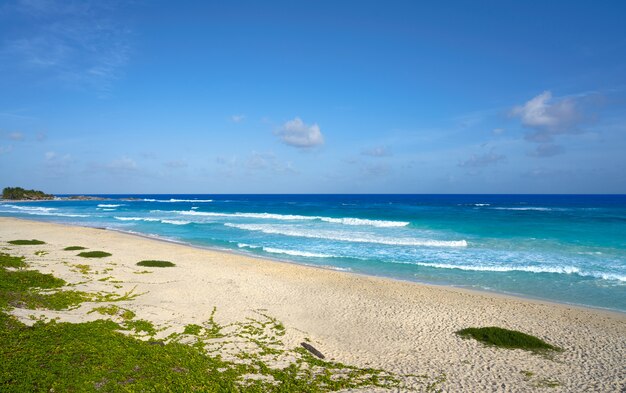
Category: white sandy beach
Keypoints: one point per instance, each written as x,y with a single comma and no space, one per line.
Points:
401,327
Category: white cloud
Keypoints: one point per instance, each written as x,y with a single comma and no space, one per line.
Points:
268,161
237,118
379,151
6,149
298,134
123,164
376,170
548,117
482,160
546,150
54,160
176,164
16,136
498,131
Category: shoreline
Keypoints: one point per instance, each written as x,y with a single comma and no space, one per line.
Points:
512,296
400,326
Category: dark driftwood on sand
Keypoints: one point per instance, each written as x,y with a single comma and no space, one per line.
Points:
312,349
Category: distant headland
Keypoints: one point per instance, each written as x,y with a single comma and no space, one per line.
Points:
21,194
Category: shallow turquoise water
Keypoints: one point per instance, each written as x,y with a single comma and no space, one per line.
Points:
566,248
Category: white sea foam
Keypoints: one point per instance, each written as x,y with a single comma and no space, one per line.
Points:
361,221
528,269
244,245
296,253
39,211
482,204
176,222
31,208
108,205
295,217
340,269
107,210
346,237
136,219
147,219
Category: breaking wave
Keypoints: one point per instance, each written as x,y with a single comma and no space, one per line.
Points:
296,253
360,238
295,217
528,269
147,219
39,211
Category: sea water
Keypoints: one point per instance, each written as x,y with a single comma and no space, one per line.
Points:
564,248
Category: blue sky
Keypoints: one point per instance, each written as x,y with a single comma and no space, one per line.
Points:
313,97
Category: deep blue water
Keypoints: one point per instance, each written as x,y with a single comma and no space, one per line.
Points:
566,248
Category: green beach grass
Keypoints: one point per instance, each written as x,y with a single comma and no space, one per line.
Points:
74,248
98,356
505,338
152,263
94,254
22,242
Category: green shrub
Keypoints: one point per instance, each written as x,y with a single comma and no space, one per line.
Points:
74,248
155,264
21,289
16,193
504,338
94,254
31,242
7,260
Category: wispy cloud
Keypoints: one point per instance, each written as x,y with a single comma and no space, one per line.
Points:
376,170
237,118
298,134
176,164
6,149
54,160
482,160
80,43
378,151
123,164
546,150
268,161
16,136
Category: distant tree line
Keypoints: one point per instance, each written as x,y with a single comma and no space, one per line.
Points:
20,193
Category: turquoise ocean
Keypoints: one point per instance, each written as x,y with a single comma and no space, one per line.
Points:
564,248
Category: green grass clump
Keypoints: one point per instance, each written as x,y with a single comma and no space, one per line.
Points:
22,289
7,260
107,356
155,264
114,310
22,242
74,248
96,356
84,269
504,338
94,254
